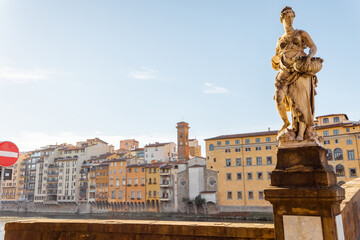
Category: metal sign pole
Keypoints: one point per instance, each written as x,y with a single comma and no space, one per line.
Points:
1,187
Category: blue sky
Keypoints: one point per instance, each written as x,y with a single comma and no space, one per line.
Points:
71,70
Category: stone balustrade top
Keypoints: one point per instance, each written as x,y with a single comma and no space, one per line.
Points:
134,229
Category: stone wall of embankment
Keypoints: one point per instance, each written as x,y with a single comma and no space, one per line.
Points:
350,209
134,229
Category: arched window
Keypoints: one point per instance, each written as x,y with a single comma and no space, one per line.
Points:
338,154
340,170
329,155
211,147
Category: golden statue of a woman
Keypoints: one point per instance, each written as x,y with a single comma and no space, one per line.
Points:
296,81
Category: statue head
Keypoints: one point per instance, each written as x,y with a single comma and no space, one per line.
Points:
287,14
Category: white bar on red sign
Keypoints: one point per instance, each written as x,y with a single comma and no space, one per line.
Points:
8,154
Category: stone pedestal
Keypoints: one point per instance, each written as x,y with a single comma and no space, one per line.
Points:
305,195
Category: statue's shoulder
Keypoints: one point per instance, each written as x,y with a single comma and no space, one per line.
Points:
301,32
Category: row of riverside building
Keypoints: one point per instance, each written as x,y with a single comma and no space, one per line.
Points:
167,177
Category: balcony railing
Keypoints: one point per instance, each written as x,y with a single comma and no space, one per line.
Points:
165,184
52,192
164,198
52,179
53,173
164,173
51,186
53,166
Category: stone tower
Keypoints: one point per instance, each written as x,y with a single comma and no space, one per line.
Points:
183,140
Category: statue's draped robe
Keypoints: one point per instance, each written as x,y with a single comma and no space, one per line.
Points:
300,93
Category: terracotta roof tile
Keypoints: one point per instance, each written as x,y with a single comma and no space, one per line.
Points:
332,115
343,124
254,134
157,144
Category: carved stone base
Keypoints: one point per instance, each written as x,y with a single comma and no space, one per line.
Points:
302,166
321,203
304,194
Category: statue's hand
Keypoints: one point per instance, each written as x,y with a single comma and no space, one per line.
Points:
308,59
307,62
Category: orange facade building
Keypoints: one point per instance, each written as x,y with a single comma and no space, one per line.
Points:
117,184
183,140
135,194
129,144
102,182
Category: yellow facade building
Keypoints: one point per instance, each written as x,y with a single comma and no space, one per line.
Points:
152,186
13,185
244,161
342,140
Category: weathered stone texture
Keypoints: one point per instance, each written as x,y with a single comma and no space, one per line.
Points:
350,209
133,230
304,185
302,167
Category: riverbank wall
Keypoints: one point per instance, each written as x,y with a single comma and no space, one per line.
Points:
31,209
127,229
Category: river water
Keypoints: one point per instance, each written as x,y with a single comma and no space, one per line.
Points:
11,216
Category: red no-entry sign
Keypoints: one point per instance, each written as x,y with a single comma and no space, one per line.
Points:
9,154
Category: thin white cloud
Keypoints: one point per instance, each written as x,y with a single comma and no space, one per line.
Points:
15,75
210,88
145,73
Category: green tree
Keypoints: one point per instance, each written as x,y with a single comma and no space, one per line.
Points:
199,201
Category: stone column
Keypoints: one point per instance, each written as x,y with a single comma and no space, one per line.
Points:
305,195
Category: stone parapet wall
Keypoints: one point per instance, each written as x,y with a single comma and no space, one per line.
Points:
134,229
265,209
350,209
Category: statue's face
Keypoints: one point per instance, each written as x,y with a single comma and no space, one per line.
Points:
288,20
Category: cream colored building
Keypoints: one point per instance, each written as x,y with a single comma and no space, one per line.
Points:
160,152
58,170
41,183
244,161
70,160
